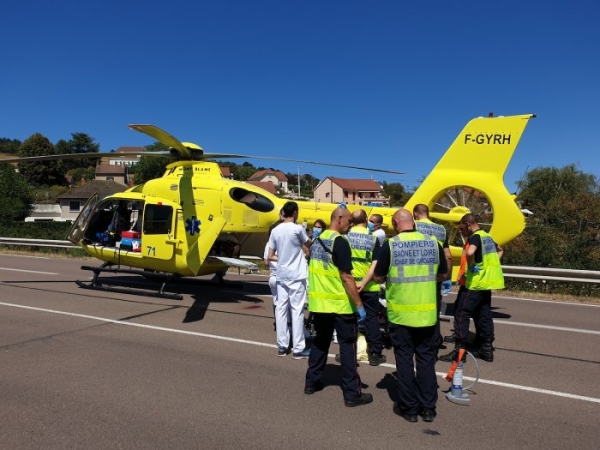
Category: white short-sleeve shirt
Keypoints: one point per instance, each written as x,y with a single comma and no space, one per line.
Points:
272,264
287,240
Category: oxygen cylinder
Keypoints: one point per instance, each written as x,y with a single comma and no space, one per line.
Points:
457,381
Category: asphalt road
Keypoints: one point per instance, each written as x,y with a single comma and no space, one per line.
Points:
96,370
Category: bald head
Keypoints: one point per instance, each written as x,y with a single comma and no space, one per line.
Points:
403,220
359,217
340,220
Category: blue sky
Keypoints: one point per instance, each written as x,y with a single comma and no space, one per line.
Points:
382,83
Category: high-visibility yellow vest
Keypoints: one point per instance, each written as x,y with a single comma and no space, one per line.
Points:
429,228
362,244
490,275
326,292
411,291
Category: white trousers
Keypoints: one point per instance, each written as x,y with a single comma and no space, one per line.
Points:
291,297
273,287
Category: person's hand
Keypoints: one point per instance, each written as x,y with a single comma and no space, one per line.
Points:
474,269
362,314
446,287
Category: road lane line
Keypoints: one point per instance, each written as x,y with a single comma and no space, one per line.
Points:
534,325
555,302
28,271
546,327
263,344
11,255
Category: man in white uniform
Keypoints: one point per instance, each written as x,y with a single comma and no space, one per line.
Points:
272,265
374,225
288,245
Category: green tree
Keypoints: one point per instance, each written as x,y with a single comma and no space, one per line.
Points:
17,199
10,146
396,193
150,167
245,171
564,230
79,173
156,147
79,143
40,173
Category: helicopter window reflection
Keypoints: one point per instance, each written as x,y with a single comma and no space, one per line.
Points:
158,219
253,200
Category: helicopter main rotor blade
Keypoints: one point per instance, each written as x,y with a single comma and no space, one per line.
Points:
65,156
324,164
163,137
171,141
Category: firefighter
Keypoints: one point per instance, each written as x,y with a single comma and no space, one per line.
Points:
411,264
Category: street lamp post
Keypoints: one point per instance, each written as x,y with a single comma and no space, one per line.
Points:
298,182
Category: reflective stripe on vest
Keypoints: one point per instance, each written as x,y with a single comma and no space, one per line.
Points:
490,274
429,228
411,282
326,293
362,244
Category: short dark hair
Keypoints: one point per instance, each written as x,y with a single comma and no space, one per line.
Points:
378,217
289,209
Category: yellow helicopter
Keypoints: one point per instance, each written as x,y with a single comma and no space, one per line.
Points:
192,221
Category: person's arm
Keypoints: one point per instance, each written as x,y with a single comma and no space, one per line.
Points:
306,242
473,246
368,277
350,288
500,251
341,256
442,274
383,265
448,257
474,253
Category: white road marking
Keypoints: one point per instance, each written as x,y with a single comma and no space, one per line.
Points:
28,271
23,256
535,325
537,300
546,327
263,344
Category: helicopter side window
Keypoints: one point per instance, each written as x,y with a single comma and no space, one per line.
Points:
253,200
158,219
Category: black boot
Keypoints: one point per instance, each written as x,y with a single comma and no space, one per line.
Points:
486,352
453,355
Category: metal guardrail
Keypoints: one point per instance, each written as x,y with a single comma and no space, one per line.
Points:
37,242
537,273
546,273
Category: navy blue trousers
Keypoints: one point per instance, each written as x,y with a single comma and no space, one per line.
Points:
415,345
372,332
476,305
347,332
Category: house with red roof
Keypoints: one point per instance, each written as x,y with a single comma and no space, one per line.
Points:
276,177
350,191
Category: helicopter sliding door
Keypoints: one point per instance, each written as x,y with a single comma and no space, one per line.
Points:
77,230
158,231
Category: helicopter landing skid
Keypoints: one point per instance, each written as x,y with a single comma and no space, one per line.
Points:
99,285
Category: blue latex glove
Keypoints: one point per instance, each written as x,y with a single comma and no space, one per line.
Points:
474,269
343,205
362,314
446,287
